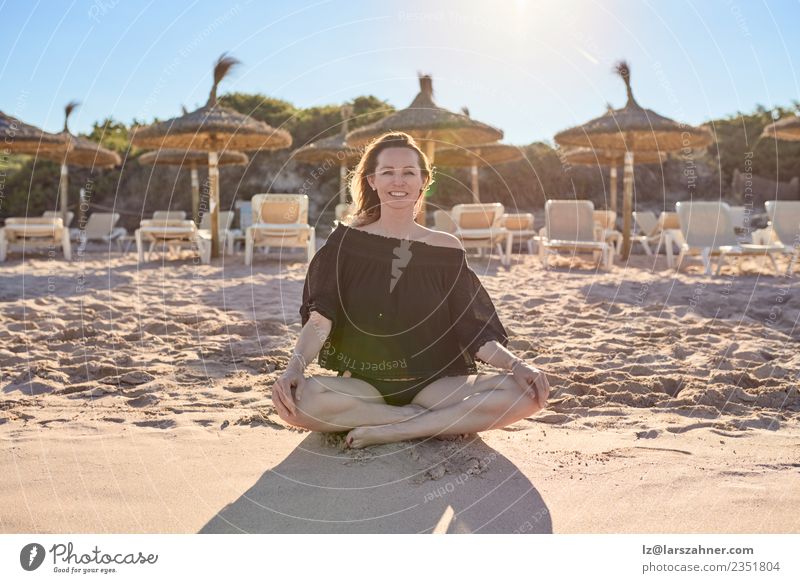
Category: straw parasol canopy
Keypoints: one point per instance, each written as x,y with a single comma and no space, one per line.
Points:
77,151
633,129
430,125
333,150
192,159
424,120
213,129
21,138
590,157
481,155
175,157
476,156
787,129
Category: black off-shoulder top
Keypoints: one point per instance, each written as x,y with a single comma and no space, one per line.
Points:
400,308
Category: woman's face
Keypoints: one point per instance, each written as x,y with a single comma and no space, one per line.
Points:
398,177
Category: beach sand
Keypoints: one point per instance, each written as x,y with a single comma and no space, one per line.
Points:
137,400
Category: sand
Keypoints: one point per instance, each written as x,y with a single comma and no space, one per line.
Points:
136,399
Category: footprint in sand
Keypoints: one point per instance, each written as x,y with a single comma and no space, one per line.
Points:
650,434
143,401
157,423
136,377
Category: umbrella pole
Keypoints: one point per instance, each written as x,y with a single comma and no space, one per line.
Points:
195,195
63,185
343,183
627,205
613,188
476,194
213,202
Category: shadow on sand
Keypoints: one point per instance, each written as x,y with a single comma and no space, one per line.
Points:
460,486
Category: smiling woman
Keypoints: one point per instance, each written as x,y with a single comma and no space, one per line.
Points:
393,170
395,309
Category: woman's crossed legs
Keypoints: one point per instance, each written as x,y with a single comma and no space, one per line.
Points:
449,405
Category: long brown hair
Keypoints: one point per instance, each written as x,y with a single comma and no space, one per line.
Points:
366,203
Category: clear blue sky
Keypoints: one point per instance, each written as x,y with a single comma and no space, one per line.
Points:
530,67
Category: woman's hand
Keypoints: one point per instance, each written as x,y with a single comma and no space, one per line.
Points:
532,380
292,378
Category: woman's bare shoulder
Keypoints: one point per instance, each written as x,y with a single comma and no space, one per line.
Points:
442,239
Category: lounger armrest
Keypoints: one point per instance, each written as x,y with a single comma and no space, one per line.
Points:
280,226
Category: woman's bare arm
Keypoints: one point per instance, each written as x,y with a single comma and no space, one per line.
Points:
494,353
529,377
310,342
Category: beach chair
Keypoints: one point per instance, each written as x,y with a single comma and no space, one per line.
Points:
442,221
740,218
605,224
35,232
100,227
520,225
569,226
784,216
707,231
477,225
57,215
236,236
662,231
279,220
173,235
169,215
226,234
342,210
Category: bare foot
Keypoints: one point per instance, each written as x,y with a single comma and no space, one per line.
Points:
364,436
374,434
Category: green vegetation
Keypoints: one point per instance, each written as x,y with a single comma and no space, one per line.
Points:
30,186
737,135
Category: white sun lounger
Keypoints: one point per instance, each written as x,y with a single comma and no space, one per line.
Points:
279,220
477,225
174,235
35,232
100,227
784,216
708,232
569,226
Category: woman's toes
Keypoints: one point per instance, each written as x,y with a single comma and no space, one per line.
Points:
358,438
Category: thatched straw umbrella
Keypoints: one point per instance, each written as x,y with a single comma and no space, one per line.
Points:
432,126
333,150
213,129
633,129
475,156
787,129
590,157
20,138
77,151
192,159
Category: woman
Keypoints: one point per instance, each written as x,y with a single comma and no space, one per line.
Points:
394,308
